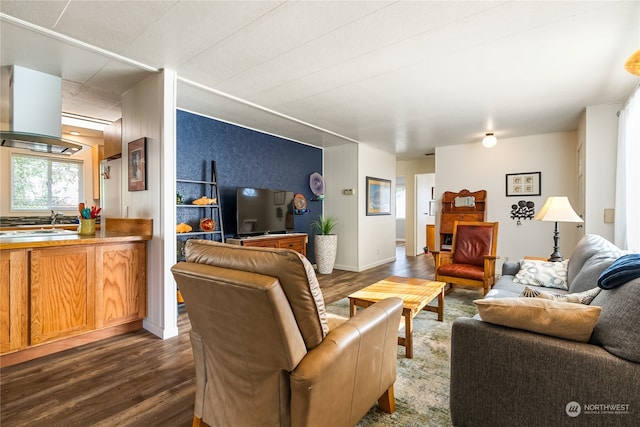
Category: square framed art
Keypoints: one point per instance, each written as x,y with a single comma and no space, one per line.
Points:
523,184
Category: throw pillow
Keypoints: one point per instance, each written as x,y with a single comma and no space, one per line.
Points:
623,270
559,319
580,298
543,273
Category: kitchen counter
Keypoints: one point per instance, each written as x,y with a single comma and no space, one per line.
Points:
67,290
40,240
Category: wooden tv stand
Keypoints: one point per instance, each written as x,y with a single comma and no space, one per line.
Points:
295,241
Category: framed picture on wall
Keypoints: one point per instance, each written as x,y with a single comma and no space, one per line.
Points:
137,161
523,184
278,197
378,196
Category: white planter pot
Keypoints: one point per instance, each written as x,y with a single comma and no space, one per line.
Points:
325,247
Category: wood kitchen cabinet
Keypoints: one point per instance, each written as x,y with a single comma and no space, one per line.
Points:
59,292
121,271
97,155
13,300
62,292
113,140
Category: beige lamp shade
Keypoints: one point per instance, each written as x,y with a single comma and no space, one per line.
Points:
558,209
633,63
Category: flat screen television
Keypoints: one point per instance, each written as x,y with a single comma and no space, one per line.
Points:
263,211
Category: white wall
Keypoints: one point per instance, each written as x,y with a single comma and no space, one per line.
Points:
601,140
363,241
409,169
473,167
376,234
340,173
148,110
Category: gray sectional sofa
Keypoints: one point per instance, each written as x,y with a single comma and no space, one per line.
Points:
502,376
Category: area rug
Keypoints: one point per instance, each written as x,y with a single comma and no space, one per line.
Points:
422,384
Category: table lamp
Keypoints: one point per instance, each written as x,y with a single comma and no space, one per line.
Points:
557,209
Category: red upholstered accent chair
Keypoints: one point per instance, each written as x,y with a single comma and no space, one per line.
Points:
472,260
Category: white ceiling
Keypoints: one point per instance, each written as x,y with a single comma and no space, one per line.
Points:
403,76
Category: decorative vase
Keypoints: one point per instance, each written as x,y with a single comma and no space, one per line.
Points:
87,227
207,224
325,246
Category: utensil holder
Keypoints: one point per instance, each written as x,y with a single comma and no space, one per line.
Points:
87,227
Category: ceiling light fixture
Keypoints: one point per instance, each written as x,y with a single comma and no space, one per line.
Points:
84,122
633,63
74,133
489,140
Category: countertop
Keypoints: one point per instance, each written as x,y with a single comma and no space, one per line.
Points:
39,241
113,230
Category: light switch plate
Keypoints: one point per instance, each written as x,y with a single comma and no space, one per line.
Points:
609,216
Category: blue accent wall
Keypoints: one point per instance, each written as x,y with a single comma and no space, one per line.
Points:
246,158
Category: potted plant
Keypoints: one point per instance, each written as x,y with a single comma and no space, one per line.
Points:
325,243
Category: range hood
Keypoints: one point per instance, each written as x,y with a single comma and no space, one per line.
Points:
31,118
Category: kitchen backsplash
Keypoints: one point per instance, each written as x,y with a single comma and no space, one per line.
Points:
15,221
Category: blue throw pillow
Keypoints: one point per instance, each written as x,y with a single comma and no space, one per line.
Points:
624,269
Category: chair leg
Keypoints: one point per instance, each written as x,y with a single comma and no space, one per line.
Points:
197,422
448,290
387,402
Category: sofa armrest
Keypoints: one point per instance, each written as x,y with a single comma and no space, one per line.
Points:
355,364
505,376
510,268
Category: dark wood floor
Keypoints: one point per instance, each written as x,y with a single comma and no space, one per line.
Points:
138,379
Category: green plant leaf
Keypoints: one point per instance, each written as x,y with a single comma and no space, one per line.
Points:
324,224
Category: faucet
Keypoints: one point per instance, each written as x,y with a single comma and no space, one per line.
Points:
54,216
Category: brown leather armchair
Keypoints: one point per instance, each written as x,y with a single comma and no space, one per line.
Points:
266,353
472,260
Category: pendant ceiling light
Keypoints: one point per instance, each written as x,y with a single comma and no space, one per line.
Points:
633,63
489,140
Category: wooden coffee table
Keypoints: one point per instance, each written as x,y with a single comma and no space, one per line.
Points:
415,294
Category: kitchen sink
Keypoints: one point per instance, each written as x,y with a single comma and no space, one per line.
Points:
41,232
53,231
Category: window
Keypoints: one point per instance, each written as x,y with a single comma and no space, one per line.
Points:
401,208
43,183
